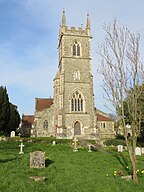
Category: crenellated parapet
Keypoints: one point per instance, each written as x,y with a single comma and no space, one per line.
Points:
73,31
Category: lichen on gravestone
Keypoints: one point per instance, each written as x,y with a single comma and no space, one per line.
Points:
37,159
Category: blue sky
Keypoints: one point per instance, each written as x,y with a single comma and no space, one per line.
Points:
29,38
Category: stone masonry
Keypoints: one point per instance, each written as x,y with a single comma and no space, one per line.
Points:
73,112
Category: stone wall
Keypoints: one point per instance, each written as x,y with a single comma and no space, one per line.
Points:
40,116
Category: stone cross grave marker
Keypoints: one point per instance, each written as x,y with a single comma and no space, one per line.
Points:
21,148
12,134
19,134
137,151
75,145
89,148
120,148
37,159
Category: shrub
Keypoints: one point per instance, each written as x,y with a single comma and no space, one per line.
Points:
120,137
114,142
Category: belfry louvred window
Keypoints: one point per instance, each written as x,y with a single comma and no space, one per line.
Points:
76,102
76,49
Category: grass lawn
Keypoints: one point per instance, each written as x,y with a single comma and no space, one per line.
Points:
67,171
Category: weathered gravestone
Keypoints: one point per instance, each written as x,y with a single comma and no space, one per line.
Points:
120,148
53,143
89,148
127,177
137,151
37,159
37,178
12,134
142,150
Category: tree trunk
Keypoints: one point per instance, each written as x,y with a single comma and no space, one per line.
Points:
135,176
132,155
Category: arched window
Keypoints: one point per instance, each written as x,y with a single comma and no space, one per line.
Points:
103,125
45,124
76,102
76,49
76,75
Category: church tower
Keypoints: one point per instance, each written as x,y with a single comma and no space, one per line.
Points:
74,112
71,113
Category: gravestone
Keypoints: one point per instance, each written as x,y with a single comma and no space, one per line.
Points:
12,134
127,177
21,148
75,145
120,148
53,142
89,148
37,178
142,150
37,159
137,151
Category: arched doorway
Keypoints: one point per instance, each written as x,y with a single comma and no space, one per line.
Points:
77,128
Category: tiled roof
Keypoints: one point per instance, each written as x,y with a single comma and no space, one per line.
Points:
101,117
43,103
27,120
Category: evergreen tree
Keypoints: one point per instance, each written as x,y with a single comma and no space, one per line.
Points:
9,116
4,109
14,119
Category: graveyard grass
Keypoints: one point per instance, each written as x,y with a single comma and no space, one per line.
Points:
65,171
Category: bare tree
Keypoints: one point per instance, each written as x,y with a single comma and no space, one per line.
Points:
123,76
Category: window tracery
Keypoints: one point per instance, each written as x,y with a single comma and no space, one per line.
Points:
77,102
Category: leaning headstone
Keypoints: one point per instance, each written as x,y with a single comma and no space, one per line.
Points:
37,159
137,151
12,134
120,148
75,145
142,150
21,148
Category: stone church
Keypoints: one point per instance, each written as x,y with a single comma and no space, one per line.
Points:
72,112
